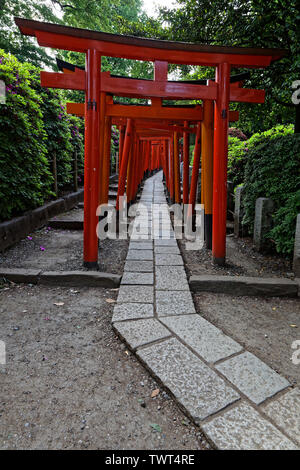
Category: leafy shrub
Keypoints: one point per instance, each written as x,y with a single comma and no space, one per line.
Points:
272,170
237,158
235,132
33,127
24,170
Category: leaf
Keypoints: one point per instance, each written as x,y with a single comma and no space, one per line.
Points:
110,301
155,427
155,393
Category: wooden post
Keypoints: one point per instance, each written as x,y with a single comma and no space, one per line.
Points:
207,133
75,172
124,161
186,163
106,160
220,164
92,157
177,195
195,172
54,168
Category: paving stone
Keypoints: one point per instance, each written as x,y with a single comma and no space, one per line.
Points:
170,242
30,276
79,278
137,278
253,377
243,428
171,278
139,332
167,249
174,302
139,266
141,294
285,412
207,340
140,245
132,311
199,389
168,260
146,255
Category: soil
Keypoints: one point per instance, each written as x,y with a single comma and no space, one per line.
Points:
241,260
62,251
69,383
265,326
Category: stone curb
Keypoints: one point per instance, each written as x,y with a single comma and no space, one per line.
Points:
61,278
14,230
243,285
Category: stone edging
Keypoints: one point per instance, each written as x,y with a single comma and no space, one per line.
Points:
61,278
244,285
12,231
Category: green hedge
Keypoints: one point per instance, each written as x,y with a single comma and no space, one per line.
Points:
272,170
33,126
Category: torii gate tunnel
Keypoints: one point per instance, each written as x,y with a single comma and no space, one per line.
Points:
149,135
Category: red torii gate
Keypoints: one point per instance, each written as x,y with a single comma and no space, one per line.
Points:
93,82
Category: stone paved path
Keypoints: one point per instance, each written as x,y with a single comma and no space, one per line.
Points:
236,399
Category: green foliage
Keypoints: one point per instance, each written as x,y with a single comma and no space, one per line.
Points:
285,224
33,127
24,169
272,170
253,23
237,157
25,48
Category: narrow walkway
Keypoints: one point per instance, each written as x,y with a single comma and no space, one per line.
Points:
237,400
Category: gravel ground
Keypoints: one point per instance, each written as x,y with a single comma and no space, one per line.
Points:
69,383
241,260
62,250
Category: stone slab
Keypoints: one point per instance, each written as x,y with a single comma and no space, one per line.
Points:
143,255
169,302
171,278
79,278
132,311
167,249
243,285
285,412
203,337
243,428
139,266
140,332
141,294
168,260
26,276
196,387
140,245
165,242
137,278
253,377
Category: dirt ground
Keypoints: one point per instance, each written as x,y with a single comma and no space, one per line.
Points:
62,250
69,383
241,260
265,326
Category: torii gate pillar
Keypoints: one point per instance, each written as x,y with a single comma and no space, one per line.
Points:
92,163
220,163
